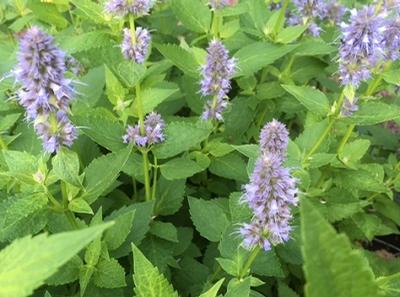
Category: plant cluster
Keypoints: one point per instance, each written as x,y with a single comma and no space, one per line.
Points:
199,148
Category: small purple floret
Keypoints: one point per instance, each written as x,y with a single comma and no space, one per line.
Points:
138,49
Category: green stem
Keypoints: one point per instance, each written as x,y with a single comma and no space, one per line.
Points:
3,145
132,28
328,129
71,219
134,188
246,268
154,188
146,175
216,24
345,138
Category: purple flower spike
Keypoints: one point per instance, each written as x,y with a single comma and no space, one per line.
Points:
45,93
217,71
218,4
274,138
362,45
349,107
56,131
153,131
392,39
122,8
138,49
213,111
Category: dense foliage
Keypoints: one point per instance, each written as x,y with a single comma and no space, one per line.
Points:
164,148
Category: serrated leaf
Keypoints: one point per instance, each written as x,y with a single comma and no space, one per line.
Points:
68,273
194,14
152,97
7,121
371,113
186,134
390,285
47,13
290,34
109,274
170,195
165,231
312,99
213,291
256,56
201,211
149,282
22,266
116,235
181,58
114,89
102,172
90,10
79,205
353,151
84,42
231,166
102,127
332,267
313,47
180,168
239,288
66,166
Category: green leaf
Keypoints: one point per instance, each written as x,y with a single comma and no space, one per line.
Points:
371,113
16,211
117,234
109,274
130,73
186,134
89,91
152,97
231,166
314,47
180,168
28,262
47,13
80,206
149,282
390,285
392,77
165,231
7,121
332,267
256,56
181,58
102,127
312,99
90,10
170,195
66,167
114,89
201,211
194,14
21,165
239,288
102,172
68,273
290,34
353,152
213,291
73,44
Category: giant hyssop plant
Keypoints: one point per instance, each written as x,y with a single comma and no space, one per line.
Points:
163,148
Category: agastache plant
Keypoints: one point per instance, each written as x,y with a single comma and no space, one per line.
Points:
45,92
136,49
270,193
216,76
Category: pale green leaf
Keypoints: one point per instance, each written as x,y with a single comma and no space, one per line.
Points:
213,291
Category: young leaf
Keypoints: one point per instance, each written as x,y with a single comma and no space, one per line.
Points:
312,99
332,267
114,89
152,97
28,262
354,151
79,205
149,282
102,172
201,211
256,56
290,34
186,134
213,291
193,14
66,167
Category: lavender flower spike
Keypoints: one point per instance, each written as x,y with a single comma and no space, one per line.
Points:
153,131
218,4
214,108
269,194
122,8
274,138
217,71
138,49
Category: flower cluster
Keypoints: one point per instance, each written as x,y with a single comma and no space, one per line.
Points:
315,10
270,193
151,133
371,37
45,92
218,4
138,49
216,74
124,7
349,107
